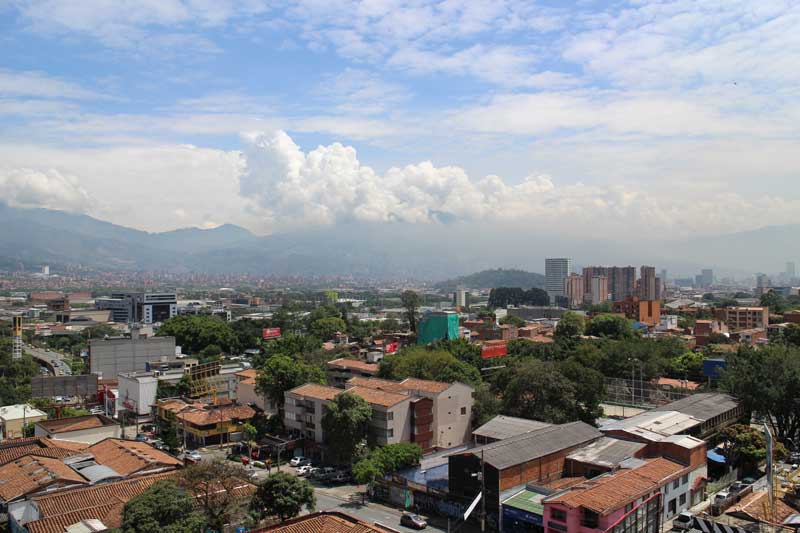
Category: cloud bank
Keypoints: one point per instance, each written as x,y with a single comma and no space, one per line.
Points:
25,187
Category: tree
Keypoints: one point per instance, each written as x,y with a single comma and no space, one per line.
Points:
345,424
767,381
250,433
424,363
590,389
195,332
745,447
487,405
283,495
791,335
282,373
168,434
411,302
570,326
386,459
289,344
164,506
327,328
214,484
774,301
537,390
513,320
389,325
366,471
614,326
502,297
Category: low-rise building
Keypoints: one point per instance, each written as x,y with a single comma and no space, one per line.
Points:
246,393
744,317
703,329
87,429
644,311
13,419
341,370
325,521
211,424
504,427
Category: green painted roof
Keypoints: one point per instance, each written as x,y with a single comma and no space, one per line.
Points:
527,500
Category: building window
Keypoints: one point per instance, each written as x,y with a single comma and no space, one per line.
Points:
685,479
463,410
682,499
390,415
558,514
676,483
671,507
389,433
629,508
589,519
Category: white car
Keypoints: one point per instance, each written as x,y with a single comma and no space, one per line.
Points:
304,470
193,455
299,461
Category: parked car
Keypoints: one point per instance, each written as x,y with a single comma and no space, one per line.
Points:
737,487
749,480
414,521
299,461
683,521
325,473
304,470
193,455
159,445
721,496
141,437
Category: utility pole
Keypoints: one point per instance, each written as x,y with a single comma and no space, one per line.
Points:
483,494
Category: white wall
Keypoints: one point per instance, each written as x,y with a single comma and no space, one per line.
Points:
451,428
86,436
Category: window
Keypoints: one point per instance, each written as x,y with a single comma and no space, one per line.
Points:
685,479
589,519
558,514
676,483
682,499
463,410
389,433
629,508
671,507
390,415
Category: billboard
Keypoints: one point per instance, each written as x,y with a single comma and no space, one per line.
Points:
271,333
494,349
50,386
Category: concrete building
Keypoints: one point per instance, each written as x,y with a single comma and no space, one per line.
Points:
109,358
622,282
707,277
575,290
590,272
339,371
87,429
461,297
648,285
556,271
13,419
246,393
644,311
703,329
738,318
146,307
429,413
598,290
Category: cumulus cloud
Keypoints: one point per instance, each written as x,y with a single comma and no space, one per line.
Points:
329,184
25,187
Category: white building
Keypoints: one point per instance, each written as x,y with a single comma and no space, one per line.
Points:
87,429
556,271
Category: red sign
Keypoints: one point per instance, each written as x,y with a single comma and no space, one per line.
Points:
392,347
494,349
271,333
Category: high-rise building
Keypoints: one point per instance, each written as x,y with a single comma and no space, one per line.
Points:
762,281
790,270
556,271
145,307
575,290
461,297
599,289
664,276
589,273
707,277
647,283
622,282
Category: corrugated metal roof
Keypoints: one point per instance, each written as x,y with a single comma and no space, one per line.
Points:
703,406
654,425
535,444
607,451
504,427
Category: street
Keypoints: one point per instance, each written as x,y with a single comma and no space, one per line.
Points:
47,357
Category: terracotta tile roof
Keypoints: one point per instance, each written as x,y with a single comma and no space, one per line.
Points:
127,457
31,473
378,397
75,423
425,385
320,392
564,483
376,383
13,449
110,514
324,522
355,364
249,376
215,415
754,507
607,493
88,497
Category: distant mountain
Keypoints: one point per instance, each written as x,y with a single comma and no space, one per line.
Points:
370,250
490,279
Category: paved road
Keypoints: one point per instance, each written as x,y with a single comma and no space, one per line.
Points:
47,357
371,513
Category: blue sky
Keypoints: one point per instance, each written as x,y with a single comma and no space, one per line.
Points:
670,116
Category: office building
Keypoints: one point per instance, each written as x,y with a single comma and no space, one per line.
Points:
146,307
648,287
556,271
664,276
622,282
108,358
598,290
575,291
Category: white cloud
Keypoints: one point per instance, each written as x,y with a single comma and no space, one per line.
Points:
41,85
25,187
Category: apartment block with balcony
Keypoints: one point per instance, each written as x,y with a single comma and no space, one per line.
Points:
644,311
738,318
340,370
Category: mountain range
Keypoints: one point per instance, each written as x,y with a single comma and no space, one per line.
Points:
377,251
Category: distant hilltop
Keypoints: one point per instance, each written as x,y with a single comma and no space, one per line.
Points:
493,278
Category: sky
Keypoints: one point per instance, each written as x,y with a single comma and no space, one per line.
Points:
611,118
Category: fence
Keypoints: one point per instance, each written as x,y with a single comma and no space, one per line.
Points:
640,393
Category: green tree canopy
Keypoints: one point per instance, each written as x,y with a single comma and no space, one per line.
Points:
773,300
411,302
327,328
164,506
282,373
385,460
502,297
570,326
214,484
345,423
537,390
421,362
513,320
613,326
196,332
283,495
